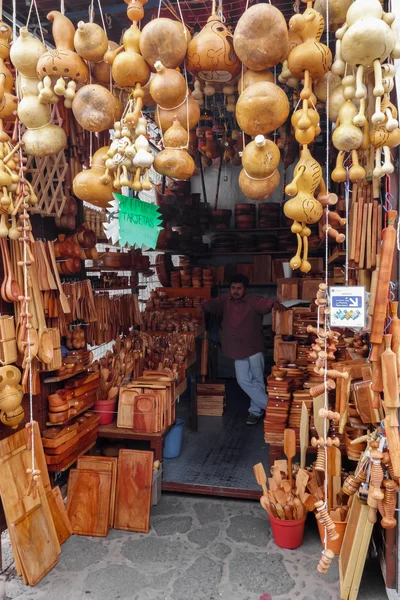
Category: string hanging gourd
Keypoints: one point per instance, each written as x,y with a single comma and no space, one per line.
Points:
91,185
260,176
8,102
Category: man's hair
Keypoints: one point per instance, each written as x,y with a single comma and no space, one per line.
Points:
240,279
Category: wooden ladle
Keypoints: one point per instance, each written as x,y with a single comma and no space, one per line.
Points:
10,290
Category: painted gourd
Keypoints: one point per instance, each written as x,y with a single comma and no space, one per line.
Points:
128,66
258,189
261,37
63,61
261,108
164,40
91,185
210,54
189,110
260,157
8,102
174,163
304,209
90,41
167,87
251,77
95,108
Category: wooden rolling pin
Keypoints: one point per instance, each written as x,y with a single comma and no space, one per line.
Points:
385,270
390,382
204,357
395,331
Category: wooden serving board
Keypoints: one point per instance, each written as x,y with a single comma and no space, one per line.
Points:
133,498
126,405
59,514
102,463
53,437
88,505
37,549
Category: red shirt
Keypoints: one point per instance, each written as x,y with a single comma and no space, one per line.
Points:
242,320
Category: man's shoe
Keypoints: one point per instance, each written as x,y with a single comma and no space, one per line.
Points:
253,419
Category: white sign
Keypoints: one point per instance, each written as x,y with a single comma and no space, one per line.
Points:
347,306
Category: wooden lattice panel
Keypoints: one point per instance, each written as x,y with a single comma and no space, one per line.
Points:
47,175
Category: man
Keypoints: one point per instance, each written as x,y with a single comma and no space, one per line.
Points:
243,340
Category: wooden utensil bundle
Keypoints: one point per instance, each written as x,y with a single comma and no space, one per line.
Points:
115,314
365,226
281,500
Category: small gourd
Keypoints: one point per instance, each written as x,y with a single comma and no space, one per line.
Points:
261,108
143,159
91,185
260,157
11,395
168,87
176,136
197,94
174,163
128,66
90,41
101,71
258,189
261,37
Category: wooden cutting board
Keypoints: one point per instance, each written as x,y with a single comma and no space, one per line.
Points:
102,463
146,413
37,550
135,474
126,406
59,514
88,505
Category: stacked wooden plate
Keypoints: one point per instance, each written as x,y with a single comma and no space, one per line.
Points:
245,216
298,374
246,242
269,215
277,413
223,242
266,242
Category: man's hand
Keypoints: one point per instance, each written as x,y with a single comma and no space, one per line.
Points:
278,306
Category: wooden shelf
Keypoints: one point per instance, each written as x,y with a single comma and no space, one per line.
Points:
64,377
226,285
55,468
100,269
254,230
82,410
112,431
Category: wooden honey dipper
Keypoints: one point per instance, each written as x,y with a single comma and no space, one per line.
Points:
333,233
321,442
376,474
320,389
333,374
329,414
352,483
324,518
386,460
389,504
325,561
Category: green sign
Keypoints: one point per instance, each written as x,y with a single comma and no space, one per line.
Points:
139,222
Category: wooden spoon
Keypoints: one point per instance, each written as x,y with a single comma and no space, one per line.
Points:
13,290
289,448
63,298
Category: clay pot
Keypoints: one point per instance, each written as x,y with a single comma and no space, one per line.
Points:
90,41
95,109
63,61
174,163
261,108
258,189
164,40
260,158
176,136
164,118
167,87
251,77
261,37
210,55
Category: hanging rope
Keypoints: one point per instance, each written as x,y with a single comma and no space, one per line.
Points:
33,4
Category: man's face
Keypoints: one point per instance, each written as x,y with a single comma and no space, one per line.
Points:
237,290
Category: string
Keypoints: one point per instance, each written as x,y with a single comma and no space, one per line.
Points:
62,7
347,201
33,4
14,17
101,16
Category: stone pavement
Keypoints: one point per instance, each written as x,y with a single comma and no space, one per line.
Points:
198,549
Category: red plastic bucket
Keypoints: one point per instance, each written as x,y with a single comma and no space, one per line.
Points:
106,409
287,533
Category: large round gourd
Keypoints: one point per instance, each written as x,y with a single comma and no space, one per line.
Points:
168,87
258,189
165,40
251,77
260,157
165,118
45,141
95,108
261,108
261,37
90,41
174,163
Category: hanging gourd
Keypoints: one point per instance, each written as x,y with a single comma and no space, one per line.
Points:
260,177
11,395
90,41
168,87
210,54
142,162
41,138
174,161
197,94
147,98
101,71
95,108
176,136
261,108
164,40
8,102
128,66
306,123
304,209
368,38
337,11
251,77
62,63
261,37
91,185
188,111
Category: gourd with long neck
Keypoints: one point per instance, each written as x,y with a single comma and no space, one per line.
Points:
62,63
128,66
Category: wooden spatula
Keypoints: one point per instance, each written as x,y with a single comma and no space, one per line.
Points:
261,477
304,435
289,448
63,298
